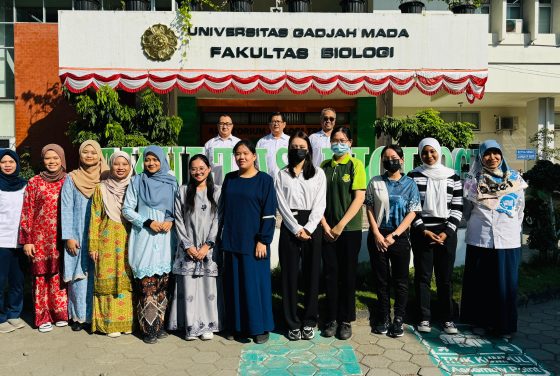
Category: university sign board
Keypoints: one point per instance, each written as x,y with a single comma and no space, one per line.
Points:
372,52
372,161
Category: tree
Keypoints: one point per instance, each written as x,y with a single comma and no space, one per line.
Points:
102,117
409,131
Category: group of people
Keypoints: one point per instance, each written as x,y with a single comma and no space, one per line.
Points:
108,249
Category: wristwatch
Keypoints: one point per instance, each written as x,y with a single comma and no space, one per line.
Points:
209,243
394,235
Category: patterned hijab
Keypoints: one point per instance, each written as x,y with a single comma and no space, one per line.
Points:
495,189
113,188
11,182
87,177
53,177
158,189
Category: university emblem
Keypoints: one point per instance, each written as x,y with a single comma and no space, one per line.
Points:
159,42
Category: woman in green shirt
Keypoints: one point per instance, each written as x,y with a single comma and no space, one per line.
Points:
342,233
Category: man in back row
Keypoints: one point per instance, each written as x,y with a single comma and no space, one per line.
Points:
322,139
272,142
224,139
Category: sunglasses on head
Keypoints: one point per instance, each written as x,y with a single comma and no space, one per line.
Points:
331,119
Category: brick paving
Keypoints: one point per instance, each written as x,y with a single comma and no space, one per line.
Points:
63,353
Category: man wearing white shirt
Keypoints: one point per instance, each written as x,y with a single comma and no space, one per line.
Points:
224,139
272,142
322,139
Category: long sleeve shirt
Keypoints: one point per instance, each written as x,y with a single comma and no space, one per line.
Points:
301,194
193,230
11,204
454,199
247,212
319,141
218,164
272,146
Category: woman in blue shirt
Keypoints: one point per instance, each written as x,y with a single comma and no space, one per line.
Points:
149,207
392,200
247,220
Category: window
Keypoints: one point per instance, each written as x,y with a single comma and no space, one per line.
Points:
485,9
53,6
514,9
557,121
470,117
545,16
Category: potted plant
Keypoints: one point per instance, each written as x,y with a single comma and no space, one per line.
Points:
87,5
353,6
241,5
298,5
463,6
413,6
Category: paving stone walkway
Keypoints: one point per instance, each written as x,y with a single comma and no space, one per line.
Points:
62,352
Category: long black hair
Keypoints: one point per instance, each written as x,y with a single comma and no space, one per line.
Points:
191,187
396,148
308,168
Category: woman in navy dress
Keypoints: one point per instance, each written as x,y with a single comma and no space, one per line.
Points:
247,221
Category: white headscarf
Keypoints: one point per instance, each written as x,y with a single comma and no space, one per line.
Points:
435,201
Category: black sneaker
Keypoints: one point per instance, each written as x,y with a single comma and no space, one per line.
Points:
396,329
77,326
294,334
381,327
330,329
261,338
162,334
149,339
308,332
344,331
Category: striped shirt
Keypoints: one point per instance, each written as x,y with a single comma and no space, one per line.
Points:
454,200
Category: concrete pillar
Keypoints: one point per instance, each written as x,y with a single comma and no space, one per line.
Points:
540,115
531,18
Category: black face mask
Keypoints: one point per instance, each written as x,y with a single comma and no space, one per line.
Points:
392,165
296,155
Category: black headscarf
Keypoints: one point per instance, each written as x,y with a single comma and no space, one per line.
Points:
11,182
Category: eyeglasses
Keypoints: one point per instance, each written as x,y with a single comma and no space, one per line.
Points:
328,118
200,169
225,124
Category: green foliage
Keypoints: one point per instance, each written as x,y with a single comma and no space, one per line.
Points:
27,171
542,140
184,18
102,117
409,131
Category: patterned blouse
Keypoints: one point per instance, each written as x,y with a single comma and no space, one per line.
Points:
39,224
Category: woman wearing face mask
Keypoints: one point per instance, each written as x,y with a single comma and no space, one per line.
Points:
12,259
301,190
342,233
197,301
75,215
39,235
247,222
392,201
434,233
494,205
149,207
108,235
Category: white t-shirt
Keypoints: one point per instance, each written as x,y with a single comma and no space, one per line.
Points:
11,204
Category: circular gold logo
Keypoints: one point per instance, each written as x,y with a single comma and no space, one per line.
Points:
159,42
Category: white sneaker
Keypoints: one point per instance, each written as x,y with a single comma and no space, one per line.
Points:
61,324
207,336
46,327
424,327
114,334
127,332
450,328
191,338
16,323
5,327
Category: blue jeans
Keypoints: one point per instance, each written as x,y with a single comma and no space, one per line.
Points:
12,261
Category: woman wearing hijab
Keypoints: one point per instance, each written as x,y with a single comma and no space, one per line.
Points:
75,216
301,190
12,259
248,213
149,207
392,201
39,235
434,233
108,240
197,302
494,205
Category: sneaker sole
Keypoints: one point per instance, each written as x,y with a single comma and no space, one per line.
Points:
451,331
7,331
45,330
17,326
424,330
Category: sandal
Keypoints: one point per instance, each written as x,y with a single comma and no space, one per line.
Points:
46,327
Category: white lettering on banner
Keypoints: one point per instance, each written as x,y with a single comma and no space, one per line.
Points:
454,160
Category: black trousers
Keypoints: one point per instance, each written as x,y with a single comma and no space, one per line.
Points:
430,258
291,252
340,260
390,268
